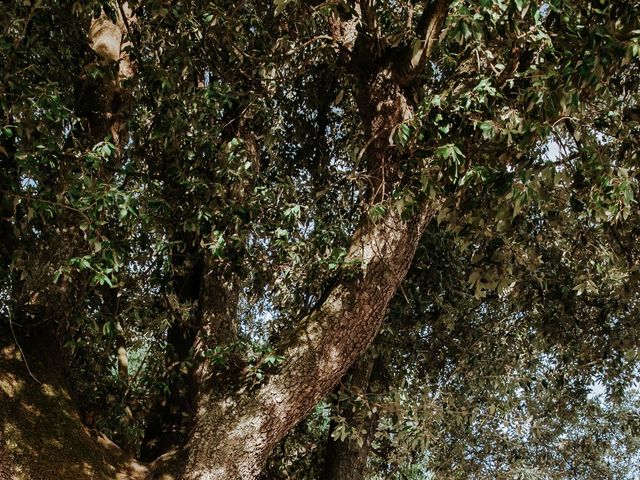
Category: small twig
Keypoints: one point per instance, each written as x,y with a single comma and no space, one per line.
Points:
125,20
49,202
310,41
565,117
27,24
15,339
238,116
135,376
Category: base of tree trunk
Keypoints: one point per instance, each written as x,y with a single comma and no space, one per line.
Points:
41,434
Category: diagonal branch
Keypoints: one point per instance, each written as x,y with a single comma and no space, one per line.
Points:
428,30
316,355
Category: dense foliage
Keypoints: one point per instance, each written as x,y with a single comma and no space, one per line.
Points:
237,152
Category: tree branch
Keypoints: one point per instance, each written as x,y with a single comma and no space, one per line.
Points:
428,30
233,436
368,16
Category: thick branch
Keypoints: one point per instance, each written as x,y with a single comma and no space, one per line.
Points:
233,437
429,28
369,20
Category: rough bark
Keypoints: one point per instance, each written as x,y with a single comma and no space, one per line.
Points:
218,317
232,437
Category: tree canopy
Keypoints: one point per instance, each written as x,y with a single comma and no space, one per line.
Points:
339,240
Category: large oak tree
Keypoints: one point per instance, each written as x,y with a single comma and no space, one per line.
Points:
409,225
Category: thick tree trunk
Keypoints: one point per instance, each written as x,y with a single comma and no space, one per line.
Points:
164,426
234,434
214,323
41,433
233,437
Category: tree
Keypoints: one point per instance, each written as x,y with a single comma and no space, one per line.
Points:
210,208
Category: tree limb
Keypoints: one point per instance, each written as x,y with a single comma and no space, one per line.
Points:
428,30
233,436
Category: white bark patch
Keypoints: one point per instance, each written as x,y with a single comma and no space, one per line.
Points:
247,433
105,38
217,473
334,360
279,398
367,255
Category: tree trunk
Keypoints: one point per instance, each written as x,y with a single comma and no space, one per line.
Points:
235,430
164,426
233,437
214,324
